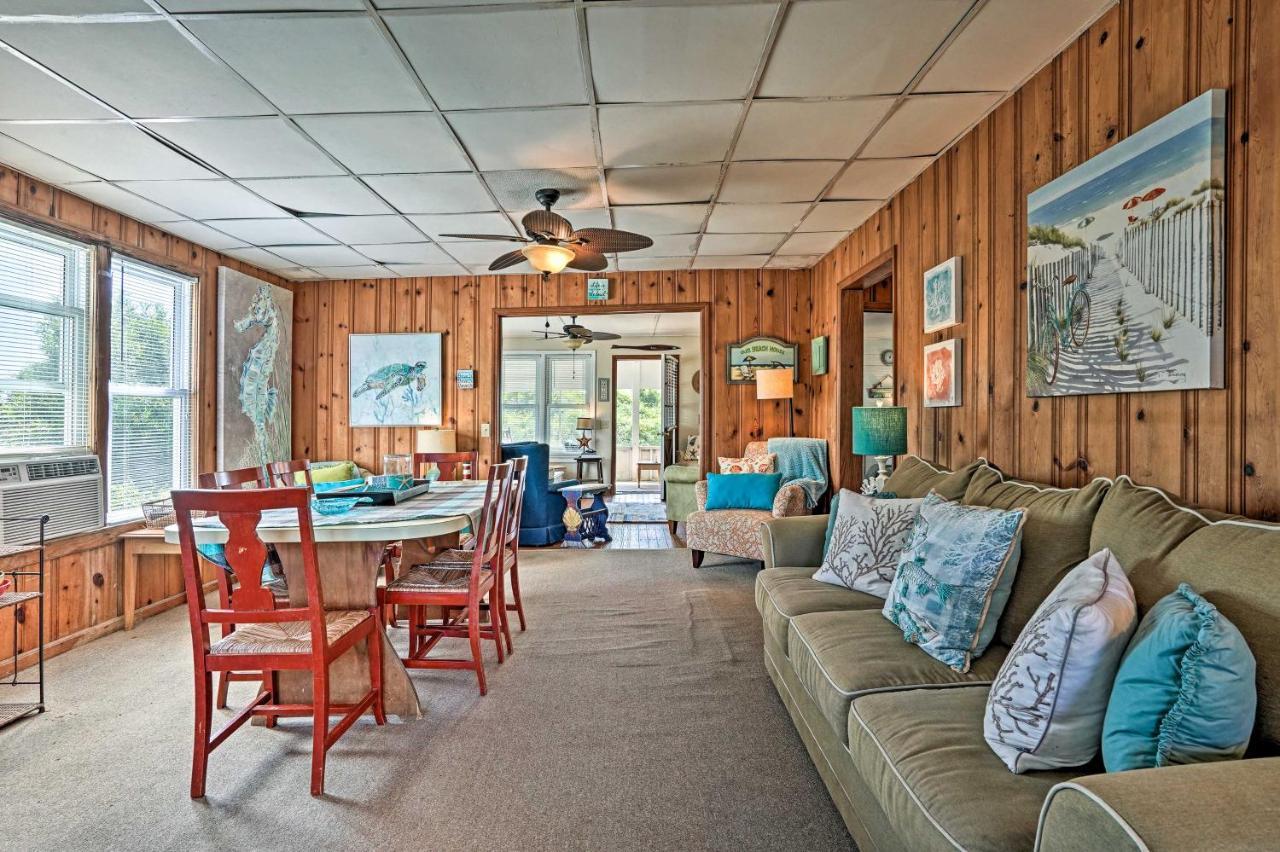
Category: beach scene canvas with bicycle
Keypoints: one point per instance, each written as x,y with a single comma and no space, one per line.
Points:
1125,262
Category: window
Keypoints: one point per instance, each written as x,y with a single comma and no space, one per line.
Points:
544,394
149,448
44,342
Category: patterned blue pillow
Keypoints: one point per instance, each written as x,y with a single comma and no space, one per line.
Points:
953,579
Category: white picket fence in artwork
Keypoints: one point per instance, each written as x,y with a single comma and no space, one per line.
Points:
1178,259
1047,296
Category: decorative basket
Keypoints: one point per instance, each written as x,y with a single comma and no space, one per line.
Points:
158,514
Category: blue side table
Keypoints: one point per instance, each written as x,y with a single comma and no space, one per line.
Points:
589,501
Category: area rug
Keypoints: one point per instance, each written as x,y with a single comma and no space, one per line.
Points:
637,513
635,714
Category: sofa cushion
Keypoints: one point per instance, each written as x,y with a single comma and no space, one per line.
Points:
915,477
1055,537
783,593
1141,525
840,655
934,776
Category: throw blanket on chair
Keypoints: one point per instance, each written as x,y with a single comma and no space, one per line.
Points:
803,461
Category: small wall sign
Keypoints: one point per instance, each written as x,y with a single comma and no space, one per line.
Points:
466,379
819,355
757,353
603,390
597,289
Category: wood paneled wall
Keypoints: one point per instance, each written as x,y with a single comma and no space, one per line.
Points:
84,581
743,303
1144,58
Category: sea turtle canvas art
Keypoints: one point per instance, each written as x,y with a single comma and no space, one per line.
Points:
255,385
395,380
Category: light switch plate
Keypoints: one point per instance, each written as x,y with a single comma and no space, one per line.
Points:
484,430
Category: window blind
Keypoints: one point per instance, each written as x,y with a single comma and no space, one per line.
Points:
569,377
44,342
149,450
520,420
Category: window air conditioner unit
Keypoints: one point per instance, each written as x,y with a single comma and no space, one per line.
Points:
66,488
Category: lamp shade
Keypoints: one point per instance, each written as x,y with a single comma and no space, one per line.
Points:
775,384
546,257
586,423
437,441
879,431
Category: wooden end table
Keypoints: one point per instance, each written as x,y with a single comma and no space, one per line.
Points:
136,544
585,463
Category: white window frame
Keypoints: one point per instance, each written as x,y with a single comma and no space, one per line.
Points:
542,417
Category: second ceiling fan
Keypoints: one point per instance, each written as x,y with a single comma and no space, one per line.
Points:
553,243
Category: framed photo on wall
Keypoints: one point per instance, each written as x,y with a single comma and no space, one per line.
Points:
818,354
942,295
942,376
603,390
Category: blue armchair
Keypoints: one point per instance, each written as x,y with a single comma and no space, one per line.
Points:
542,513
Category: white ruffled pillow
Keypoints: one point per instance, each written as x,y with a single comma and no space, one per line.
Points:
868,536
1048,702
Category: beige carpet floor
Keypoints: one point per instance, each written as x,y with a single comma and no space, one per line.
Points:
635,714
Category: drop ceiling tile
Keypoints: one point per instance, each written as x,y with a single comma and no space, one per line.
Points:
387,143
260,257
676,52
115,198
70,7
299,273
249,147
662,184
756,218
421,252
177,6
722,244
587,218
814,243
579,188
427,270
109,151
205,199
354,272
478,252
653,219
518,269
831,130
798,261
730,261
872,47
668,245
927,124
527,139
498,59
639,264
432,193
463,223
317,256
776,181
335,195
272,232
641,135
366,229
203,235
1007,42
839,215
147,69
412,4
37,164
877,179
314,63
30,93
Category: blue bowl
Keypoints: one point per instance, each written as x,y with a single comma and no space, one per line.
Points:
337,505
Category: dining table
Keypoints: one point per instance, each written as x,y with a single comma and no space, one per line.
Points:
349,550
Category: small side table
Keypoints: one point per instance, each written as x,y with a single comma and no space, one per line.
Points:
138,543
585,463
594,524
654,466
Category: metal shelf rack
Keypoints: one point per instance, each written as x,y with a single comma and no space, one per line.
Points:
12,712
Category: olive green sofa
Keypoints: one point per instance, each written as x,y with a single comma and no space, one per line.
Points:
897,737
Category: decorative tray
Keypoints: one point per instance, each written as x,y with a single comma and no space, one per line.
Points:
380,496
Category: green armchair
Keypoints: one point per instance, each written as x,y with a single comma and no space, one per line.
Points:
681,480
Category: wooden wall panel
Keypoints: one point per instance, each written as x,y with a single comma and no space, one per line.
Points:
1138,62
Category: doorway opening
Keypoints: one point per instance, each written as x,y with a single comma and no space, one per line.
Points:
867,373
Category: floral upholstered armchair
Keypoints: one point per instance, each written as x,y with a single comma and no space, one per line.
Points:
736,532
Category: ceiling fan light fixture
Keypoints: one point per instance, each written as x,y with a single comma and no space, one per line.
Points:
546,257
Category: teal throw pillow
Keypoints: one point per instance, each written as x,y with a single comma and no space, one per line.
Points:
953,579
742,490
1185,691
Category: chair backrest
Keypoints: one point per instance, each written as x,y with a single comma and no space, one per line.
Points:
461,465
252,477
491,529
281,474
240,511
515,499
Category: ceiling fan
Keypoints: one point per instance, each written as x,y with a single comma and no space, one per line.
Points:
553,244
576,336
649,347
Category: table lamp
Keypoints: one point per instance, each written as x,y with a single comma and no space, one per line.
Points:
435,441
778,384
585,425
880,432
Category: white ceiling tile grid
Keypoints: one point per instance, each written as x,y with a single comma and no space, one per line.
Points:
340,138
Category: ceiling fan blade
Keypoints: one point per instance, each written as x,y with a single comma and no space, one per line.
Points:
608,240
649,347
492,237
544,223
511,258
548,334
586,260
605,335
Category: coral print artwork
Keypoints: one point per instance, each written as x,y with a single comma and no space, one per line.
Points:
395,380
255,385
942,374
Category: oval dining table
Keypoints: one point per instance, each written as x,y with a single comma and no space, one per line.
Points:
349,554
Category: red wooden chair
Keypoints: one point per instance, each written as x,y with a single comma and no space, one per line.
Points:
464,587
464,465
245,477
283,474
511,545
304,638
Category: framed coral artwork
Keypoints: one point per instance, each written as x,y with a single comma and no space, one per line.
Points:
942,374
942,295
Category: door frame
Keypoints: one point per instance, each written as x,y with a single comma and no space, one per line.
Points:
613,406
703,309
849,331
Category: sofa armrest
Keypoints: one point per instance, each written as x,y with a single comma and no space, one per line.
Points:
682,473
1233,804
793,542
700,491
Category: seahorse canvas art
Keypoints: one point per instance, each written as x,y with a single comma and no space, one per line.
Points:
395,380
255,352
